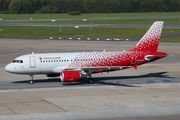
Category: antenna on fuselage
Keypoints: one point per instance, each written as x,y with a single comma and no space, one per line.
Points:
33,52
104,50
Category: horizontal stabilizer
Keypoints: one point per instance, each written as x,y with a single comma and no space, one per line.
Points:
155,56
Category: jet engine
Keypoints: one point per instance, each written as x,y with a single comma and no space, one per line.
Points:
70,76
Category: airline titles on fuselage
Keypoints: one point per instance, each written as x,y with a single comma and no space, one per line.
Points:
49,58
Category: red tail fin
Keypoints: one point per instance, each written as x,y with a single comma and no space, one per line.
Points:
150,41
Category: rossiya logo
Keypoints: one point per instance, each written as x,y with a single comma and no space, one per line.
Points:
40,58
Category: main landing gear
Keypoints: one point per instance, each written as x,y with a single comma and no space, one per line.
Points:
91,81
31,79
87,79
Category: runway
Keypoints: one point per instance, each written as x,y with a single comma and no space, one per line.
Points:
151,91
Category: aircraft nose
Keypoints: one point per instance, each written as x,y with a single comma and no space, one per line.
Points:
9,68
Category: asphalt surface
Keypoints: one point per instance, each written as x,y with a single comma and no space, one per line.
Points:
150,92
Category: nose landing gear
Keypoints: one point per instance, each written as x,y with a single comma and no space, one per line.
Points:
31,79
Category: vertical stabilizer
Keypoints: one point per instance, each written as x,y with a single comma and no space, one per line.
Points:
150,41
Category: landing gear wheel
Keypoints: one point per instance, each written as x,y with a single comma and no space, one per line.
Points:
31,82
91,81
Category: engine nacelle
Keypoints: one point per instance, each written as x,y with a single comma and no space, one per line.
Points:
70,76
53,75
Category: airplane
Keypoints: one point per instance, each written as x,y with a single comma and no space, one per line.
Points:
75,66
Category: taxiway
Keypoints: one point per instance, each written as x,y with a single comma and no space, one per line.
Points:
150,92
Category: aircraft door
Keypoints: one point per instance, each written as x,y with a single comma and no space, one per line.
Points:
32,61
133,60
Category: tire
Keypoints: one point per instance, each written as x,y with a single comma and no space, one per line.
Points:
91,81
31,82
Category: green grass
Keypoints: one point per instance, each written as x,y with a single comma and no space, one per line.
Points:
103,15
171,31
43,32
84,32
113,18
171,39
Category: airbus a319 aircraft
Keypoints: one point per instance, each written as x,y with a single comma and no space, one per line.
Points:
74,66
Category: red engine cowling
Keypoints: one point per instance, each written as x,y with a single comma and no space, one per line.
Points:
53,75
70,76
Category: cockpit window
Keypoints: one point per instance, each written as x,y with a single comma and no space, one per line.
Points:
17,61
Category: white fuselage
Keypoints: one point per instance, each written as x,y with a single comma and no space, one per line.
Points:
46,63
40,63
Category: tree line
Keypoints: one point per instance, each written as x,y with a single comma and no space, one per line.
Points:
87,6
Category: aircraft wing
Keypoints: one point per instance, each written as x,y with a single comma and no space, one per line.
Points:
93,69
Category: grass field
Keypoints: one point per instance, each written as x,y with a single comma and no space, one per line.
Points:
88,16
43,32
84,32
115,18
